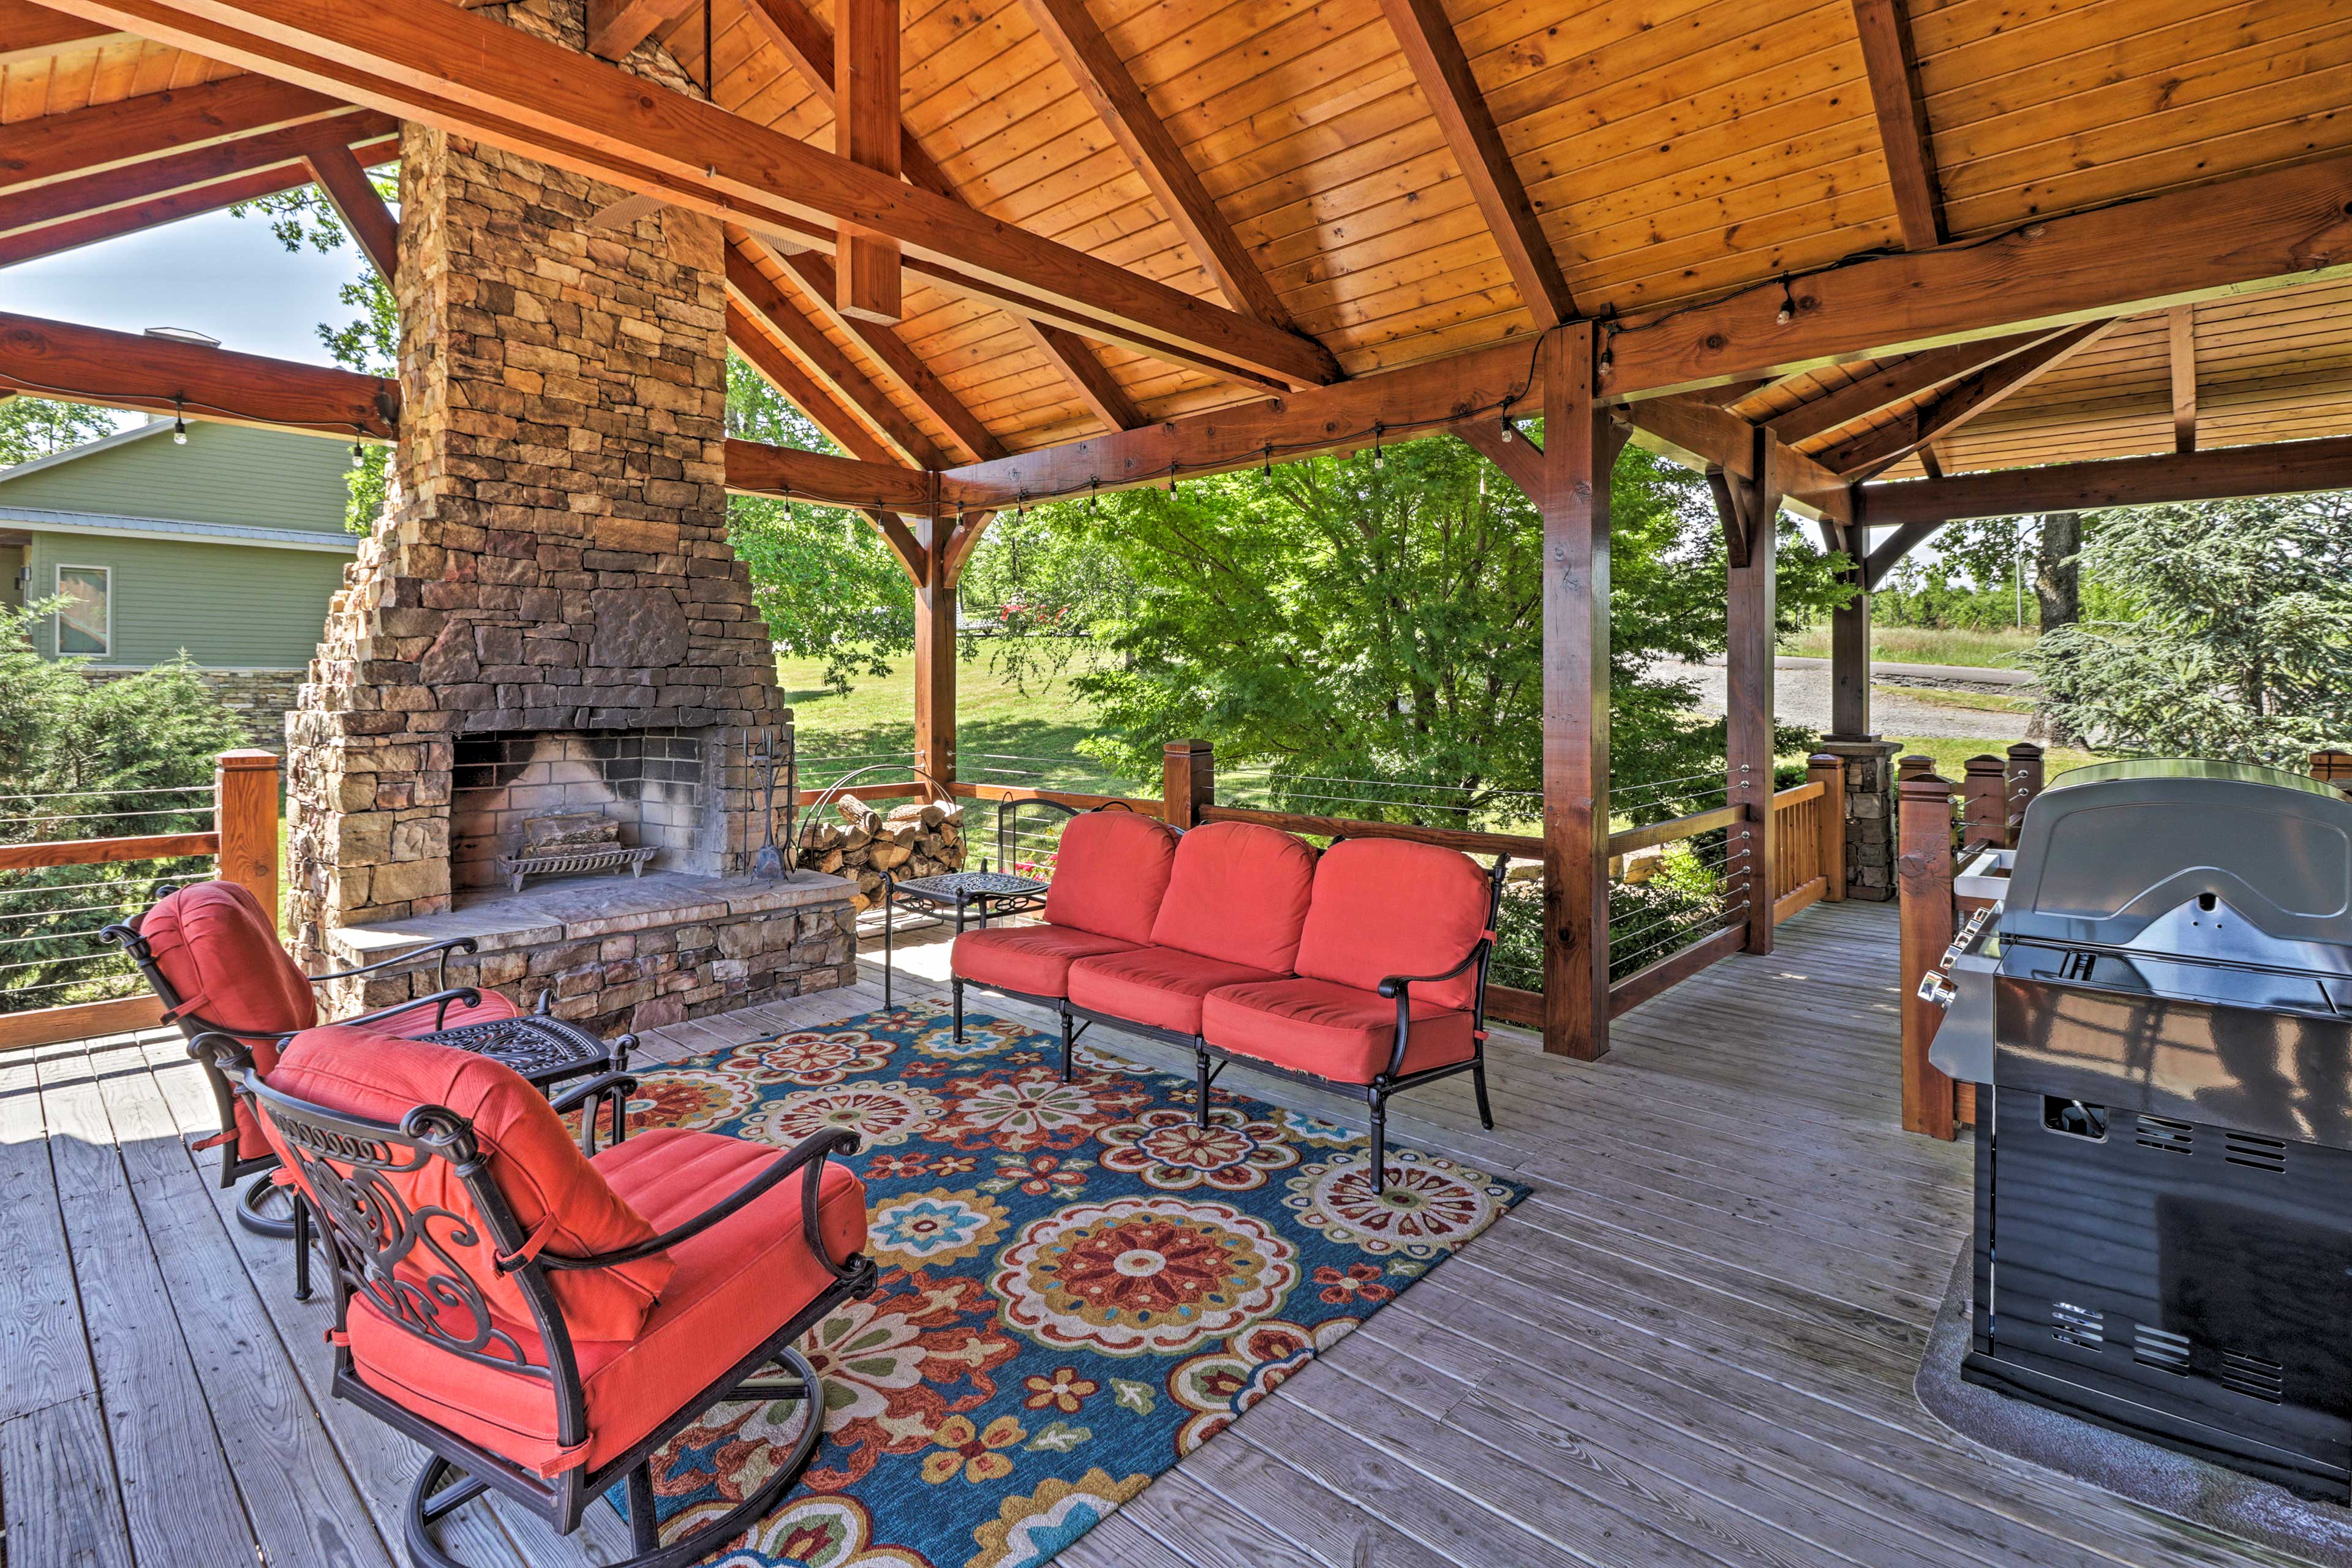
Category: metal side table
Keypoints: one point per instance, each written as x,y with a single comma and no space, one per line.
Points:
989,893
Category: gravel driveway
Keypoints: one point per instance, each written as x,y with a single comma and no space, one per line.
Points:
1802,696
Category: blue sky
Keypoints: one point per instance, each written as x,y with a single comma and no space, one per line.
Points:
222,275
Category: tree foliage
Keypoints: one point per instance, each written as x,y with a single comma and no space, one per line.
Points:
33,428
2238,643
828,586
82,759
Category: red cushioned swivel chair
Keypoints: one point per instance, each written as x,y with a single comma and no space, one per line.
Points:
1390,983
542,1317
211,954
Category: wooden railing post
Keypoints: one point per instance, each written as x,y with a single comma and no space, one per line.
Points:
1924,872
1188,781
2333,767
2024,784
1829,771
245,807
1984,802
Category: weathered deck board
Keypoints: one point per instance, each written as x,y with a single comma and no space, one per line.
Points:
1693,1345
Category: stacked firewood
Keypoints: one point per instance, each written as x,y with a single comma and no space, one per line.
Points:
917,839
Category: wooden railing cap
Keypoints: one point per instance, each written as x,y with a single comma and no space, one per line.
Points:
248,757
1925,785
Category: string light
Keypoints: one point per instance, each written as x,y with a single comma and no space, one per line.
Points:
1509,430
1094,499
359,457
1268,470
1172,476
1379,460
179,423
1787,311
1021,508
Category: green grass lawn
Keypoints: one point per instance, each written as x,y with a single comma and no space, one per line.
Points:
1922,644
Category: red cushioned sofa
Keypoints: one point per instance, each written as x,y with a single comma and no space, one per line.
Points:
1363,968
541,1315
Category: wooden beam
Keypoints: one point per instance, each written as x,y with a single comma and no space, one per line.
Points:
82,141
1752,610
767,304
1886,55
1959,403
2182,333
30,32
428,61
1103,76
129,369
808,46
1580,445
935,659
616,27
2277,228
1885,387
963,541
2213,473
1521,461
1850,659
784,373
865,132
1456,101
1698,431
354,195
1891,551
755,467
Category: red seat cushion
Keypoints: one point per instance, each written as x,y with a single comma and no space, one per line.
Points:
219,951
1109,874
1382,907
1238,893
1035,960
532,1160
736,1284
1333,1031
410,1023
1157,985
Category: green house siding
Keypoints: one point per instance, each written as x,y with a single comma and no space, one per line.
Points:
226,473
230,606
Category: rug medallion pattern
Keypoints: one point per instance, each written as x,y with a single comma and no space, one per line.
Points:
1080,1284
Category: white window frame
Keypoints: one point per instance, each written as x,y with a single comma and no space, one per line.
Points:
56,628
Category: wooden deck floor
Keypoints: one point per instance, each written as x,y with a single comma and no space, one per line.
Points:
1694,1344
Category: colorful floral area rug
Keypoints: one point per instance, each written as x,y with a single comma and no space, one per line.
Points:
1080,1285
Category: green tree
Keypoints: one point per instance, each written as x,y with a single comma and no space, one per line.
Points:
82,759
33,428
828,584
2238,641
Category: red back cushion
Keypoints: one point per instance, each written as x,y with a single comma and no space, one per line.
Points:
1383,907
1238,892
220,952
532,1160
1111,873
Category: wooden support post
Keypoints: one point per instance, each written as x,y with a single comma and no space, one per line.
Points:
1829,771
245,808
1984,802
1748,707
2024,782
1188,782
935,656
1850,663
1924,870
1581,447
865,132
1911,766
2333,767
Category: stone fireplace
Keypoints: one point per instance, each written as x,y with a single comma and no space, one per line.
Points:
550,619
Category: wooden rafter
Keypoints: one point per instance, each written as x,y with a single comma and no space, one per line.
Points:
346,184
865,132
128,370
1883,388
1961,402
1886,55
1698,432
30,32
2215,473
1104,79
2277,228
805,42
780,314
53,148
428,61
784,373
92,228
616,27
2181,334
1426,36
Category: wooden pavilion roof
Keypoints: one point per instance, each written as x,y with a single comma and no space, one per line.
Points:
1394,181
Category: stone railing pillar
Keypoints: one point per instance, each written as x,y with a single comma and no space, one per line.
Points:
1869,814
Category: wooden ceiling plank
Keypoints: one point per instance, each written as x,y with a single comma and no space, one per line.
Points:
1961,402
51,148
130,370
2215,473
1104,78
30,32
865,132
346,184
616,27
781,371
1882,389
428,61
2275,229
1426,36
2181,331
1894,71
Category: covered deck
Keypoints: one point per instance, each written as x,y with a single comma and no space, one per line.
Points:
1695,1344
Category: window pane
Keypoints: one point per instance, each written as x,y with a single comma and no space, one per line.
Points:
81,621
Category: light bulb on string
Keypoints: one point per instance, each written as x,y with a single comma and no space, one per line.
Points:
1021,508
1379,460
1171,478
1509,429
1093,500
1787,311
359,455
179,423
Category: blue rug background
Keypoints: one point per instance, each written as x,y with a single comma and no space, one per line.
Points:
1079,1285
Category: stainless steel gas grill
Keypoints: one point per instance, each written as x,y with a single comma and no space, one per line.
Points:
2159,1017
